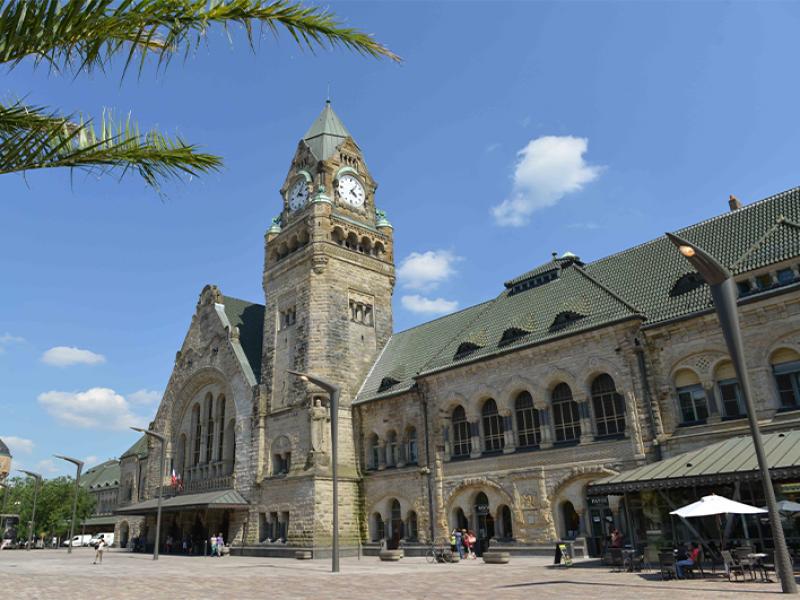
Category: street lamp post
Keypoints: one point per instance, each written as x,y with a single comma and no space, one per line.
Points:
37,478
161,467
333,392
79,465
723,293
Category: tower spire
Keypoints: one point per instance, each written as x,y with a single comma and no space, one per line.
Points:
326,133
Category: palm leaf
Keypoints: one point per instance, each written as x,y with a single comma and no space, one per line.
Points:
32,138
87,34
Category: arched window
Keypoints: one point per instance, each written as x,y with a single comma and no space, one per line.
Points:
566,417
729,392
180,461
609,406
412,456
506,525
209,427
412,532
378,532
462,442
378,250
786,370
221,426
493,438
391,449
373,450
461,521
196,428
692,401
352,241
337,235
529,433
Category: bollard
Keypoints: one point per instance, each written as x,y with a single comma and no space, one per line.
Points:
205,548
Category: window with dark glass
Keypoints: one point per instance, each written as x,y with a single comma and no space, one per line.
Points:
731,396
608,405
210,430
221,421
411,446
528,427
764,281
693,404
787,379
785,276
493,438
391,449
566,417
462,441
373,452
412,531
197,434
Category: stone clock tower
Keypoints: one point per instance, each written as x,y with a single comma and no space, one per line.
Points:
328,280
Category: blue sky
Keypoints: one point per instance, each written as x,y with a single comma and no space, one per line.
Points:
594,126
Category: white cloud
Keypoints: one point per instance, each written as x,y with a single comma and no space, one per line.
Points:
426,270
17,444
586,225
7,339
547,169
429,306
90,460
145,396
47,466
65,356
492,147
99,408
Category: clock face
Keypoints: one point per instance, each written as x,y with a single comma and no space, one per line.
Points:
298,195
351,191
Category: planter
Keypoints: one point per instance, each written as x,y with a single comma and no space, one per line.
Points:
303,554
391,555
496,558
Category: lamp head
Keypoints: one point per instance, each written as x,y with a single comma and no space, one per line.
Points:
709,268
74,461
300,376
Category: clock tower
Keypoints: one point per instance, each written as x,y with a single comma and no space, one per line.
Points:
328,280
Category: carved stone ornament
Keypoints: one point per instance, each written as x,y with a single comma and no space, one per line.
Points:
319,261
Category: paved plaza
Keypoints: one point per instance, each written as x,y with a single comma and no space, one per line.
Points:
55,574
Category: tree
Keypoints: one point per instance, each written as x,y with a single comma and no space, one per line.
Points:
80,36
53,505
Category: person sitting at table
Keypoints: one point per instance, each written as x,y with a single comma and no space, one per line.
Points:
616,538
689,559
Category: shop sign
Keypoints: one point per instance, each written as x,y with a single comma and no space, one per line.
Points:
790,488
482,509
598,501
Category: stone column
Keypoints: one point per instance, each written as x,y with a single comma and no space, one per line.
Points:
714,406
545,425
510,442
447,446
475,438
587,429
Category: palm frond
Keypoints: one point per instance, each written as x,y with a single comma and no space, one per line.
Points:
32,138
87,34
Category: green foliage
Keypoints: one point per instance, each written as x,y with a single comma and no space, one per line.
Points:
53,504
83,35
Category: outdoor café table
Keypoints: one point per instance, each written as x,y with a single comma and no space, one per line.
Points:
757,558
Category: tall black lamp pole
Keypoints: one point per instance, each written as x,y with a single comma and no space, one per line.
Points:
723,292
79,465
161,470
37,479
333,392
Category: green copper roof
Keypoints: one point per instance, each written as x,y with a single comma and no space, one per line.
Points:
219,499
326,133
639,283
731,459
104,475
249,318
138,449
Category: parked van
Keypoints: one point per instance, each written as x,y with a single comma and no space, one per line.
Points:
78,540
108,537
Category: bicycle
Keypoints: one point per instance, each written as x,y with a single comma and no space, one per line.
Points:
439,553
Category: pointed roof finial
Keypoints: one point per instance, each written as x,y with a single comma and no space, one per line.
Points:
328,96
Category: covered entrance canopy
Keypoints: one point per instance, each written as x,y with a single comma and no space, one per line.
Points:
218,500
725,462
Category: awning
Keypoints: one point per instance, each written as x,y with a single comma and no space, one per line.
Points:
220,499
104,520
728,461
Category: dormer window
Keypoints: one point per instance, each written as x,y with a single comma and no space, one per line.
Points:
512,334
534,282
387,383
565,318
686,283
465,349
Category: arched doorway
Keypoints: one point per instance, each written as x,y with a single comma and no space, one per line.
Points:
395,525
124,532
485,523
506,528
571,520
461,519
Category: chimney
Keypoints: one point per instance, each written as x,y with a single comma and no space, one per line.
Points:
734,203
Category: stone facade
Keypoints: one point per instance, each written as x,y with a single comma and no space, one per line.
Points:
504,445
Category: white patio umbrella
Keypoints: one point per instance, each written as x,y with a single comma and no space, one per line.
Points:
715,505
788,506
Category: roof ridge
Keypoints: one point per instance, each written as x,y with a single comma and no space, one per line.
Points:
609,291
442,317
226,297
754,246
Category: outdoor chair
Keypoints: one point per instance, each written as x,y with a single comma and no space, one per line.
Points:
732,566
690,570
666,565
747,563
617,559
638,559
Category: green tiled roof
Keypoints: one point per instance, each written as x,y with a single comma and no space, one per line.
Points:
104,475
724,461
249,318
138,449
218,500
635,283
326,133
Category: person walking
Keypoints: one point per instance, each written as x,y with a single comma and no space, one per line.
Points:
98,553
459,543
220,544
213,541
